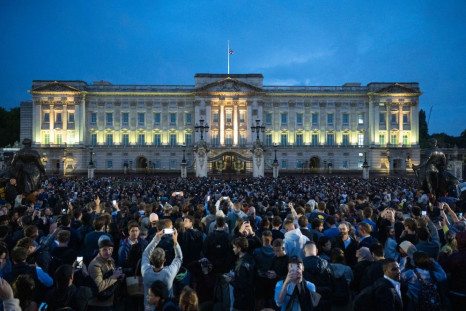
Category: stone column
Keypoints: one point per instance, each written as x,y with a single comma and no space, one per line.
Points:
400,123
235,124
222,124
258,160
52,124
388,120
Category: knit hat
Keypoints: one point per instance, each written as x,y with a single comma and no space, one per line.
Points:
105,241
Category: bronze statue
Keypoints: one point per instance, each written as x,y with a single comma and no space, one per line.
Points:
431,172
27,168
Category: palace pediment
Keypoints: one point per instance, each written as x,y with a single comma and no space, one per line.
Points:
396,88
55,86
228,85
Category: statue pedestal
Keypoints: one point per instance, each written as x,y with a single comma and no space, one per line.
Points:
365,171
90,172
200,155
275,169
258,160
184,173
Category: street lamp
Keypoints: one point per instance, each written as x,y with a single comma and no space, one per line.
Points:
91,163
202,128
275,161
257,128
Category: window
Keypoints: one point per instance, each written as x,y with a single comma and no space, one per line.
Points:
360,118
71,117
109,164
330,139
158,164
215,139
345,164
405,118
242,138
393,139
315,139
315,119
345,119
59,139
188,139
58,118
172,139
157,139
405,139
284,163
46,117
215,117
141,118
47,138
189,118
242,116
93,117
360,139
93,139
141,139
125,118
268,118
345,141
172,164
109,117
299,118
70,138
299,139
157,118
284,118
394,118
228,117
268,139
284,139
299,164
125,139
228,139
109,139
382,117
330,118
172,118
382,139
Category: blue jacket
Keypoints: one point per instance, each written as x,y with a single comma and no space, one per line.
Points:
414,286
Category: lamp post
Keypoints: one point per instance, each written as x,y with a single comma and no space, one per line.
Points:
275,164
64,164
91,167
184,173
91,163
202,128
257,128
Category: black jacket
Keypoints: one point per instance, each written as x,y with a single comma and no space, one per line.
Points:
350,251
191,244
371,274
74,297
243,283
319,272
386,297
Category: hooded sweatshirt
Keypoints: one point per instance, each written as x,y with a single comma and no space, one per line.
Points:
294,243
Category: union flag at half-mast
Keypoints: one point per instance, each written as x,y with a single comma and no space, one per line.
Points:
231,52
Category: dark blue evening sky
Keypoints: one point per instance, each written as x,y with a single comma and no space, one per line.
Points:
290,42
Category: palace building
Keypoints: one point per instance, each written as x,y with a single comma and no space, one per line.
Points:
152,128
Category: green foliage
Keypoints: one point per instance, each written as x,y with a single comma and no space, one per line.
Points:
423,130
9,126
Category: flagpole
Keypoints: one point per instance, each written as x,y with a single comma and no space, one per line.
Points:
228,53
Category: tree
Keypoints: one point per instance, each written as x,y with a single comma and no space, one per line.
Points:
423,130
9,126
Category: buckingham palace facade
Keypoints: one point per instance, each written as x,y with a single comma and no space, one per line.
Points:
152,128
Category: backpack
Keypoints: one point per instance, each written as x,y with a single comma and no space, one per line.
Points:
429,297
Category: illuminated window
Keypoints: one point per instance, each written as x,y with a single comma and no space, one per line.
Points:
188,139
228,139
59,139
345,141
330,118
157,118
382,139
125,139
360,139
345,119
58,118
242,116
46,117
268,118
125,118
360,118
141,139
268,139
71,117
284,118
405,139
47,138
141,118
299,118
109,139
393,139
158,164
188,118
299,139
172,118
315,139
157,139
330,139
93,139
172,139
215,117
394,118
70,138
109,117
93,117
284,139
228,117
315,119
215,139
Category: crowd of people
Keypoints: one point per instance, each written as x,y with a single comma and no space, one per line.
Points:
291,243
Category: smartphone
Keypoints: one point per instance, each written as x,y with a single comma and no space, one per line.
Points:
43,306
460,215
424,213
79,261
63,210
168,231
177,193
294,267
225,198
114,202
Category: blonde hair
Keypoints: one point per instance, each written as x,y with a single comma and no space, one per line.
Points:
188,300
